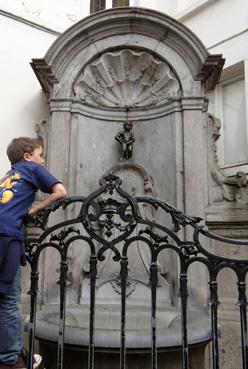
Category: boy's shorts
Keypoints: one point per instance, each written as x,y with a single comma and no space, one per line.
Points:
11,254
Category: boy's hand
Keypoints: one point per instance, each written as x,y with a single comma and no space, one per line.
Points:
32,211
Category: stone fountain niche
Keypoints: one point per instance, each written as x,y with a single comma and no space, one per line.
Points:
141,66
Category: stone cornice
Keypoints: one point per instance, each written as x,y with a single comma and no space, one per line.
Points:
98,31
129,20
44,74
194,103
77,107
211,71
224,215
177,105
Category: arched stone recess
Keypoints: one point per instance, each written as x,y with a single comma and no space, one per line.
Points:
129,64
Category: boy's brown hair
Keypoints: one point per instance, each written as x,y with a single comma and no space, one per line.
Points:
18,146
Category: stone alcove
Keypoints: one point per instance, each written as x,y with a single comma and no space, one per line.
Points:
135,64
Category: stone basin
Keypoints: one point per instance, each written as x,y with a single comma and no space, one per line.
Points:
107,326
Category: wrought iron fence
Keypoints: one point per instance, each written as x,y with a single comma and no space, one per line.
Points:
108,218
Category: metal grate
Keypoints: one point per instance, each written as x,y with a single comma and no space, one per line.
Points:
110,218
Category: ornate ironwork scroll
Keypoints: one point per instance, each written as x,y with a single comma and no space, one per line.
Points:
106,220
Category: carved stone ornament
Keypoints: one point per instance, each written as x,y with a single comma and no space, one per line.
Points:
127,79
136,178
41,130
233,188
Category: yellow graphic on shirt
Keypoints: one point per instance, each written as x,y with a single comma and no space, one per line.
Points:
7,184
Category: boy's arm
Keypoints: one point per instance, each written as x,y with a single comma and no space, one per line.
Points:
58,192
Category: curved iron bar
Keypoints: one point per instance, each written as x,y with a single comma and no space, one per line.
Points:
41,217
34,291
61,246
124,276
111,221
204,231
178,217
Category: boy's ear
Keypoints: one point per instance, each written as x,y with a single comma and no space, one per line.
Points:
26,156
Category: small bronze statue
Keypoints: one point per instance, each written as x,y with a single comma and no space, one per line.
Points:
126,139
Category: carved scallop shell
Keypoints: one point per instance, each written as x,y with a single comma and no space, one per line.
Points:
127,78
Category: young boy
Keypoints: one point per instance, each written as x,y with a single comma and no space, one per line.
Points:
17,194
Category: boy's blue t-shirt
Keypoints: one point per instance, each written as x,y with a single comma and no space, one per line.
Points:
17,194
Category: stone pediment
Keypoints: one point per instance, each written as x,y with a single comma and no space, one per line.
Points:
127,79
126,36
